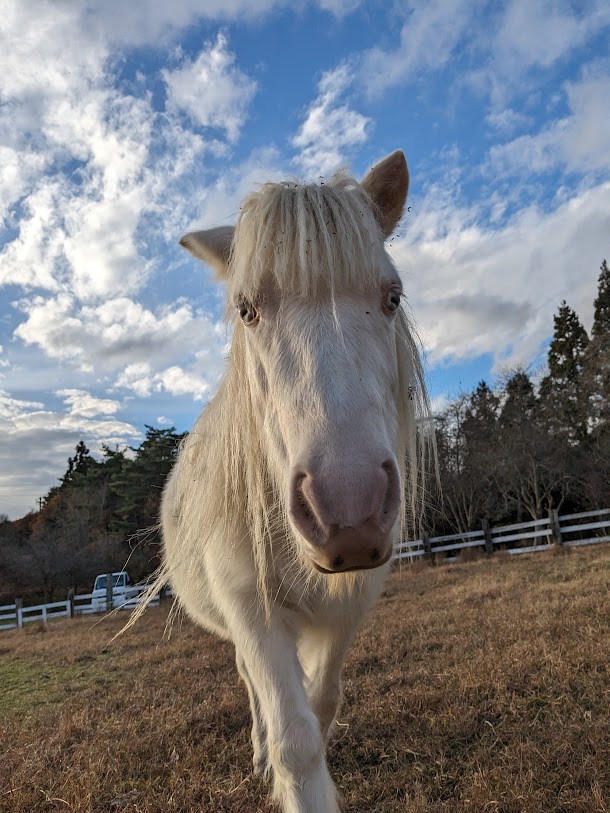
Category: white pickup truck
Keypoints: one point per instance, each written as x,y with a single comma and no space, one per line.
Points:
122,591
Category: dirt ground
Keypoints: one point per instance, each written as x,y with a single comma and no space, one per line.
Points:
480,687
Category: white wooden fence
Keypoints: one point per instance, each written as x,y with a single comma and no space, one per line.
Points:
569,530
16,615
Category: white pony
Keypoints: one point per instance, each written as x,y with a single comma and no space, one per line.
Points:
280,515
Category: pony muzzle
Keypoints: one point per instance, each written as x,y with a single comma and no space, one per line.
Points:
359,548
353,533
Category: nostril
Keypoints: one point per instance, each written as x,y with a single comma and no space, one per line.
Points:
375,555
391,502
303,512
302,499
338,561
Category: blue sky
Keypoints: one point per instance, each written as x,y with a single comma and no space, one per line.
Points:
123,125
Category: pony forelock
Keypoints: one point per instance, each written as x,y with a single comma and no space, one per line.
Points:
309,239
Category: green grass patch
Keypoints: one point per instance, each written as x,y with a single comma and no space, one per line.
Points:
28,683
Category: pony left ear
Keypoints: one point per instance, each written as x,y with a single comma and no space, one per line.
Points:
387,184
213,246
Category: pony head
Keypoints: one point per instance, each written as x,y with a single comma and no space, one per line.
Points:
323,372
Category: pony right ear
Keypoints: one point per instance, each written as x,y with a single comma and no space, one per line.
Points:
212,246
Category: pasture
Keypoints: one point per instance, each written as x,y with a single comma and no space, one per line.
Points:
480,686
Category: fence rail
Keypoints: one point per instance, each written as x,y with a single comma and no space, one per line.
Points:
556,530
565,531
16,615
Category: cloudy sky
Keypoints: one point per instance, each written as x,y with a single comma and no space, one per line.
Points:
125,124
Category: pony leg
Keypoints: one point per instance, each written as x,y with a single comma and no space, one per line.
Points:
322,652
296,750
259,730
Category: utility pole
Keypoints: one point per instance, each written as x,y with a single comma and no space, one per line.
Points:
39,501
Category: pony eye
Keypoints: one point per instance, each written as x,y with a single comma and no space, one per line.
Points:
392,301
247,312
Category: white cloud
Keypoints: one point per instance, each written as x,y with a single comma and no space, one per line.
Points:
339,7
531,38
17,170
11,408
116,333
428,38
438,404
141,21
3,362
330,128
539,153
34,257
587,140
511,46
579,142
507,120
211,89
83,403
477,290
136,377
177,381
138,22
537,33
142,381
86,165
218,203
77,425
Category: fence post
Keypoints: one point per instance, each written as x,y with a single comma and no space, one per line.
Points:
428,555
109,591
555,526
489,547
70,603
19,611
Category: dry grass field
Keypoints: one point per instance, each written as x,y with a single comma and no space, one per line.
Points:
480,687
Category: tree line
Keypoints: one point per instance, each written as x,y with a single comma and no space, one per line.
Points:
506,453
513,452
102,514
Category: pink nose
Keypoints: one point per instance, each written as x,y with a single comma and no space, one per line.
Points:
347,523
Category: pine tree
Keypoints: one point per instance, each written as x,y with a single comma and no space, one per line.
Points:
481,428
601,317
567,350
79,466
598,358
597,370
482,413
519,403
139,482
528,475
563,391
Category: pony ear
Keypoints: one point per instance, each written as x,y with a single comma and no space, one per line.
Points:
387,184
213,246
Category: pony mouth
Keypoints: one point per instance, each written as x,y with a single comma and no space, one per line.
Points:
382,560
